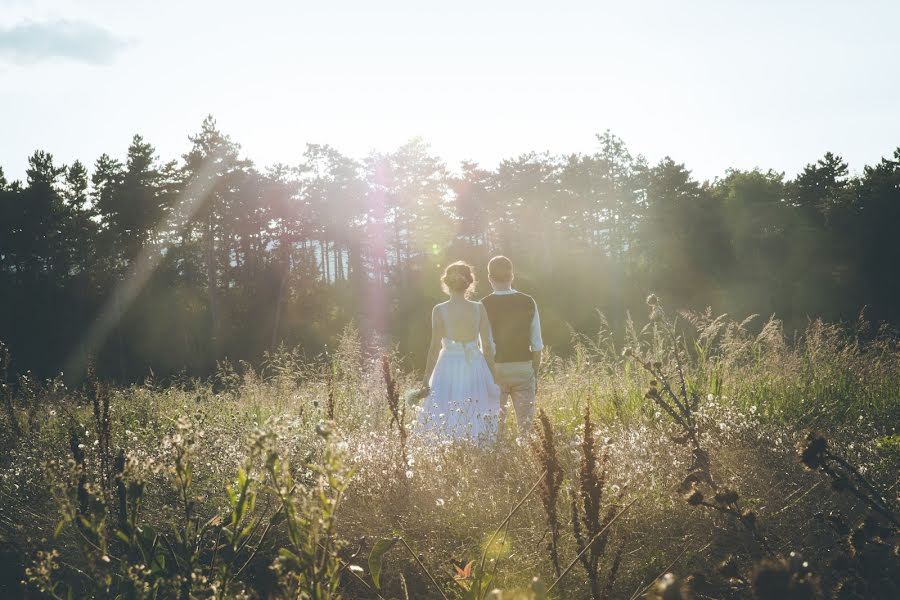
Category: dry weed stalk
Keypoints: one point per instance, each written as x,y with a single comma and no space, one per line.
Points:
397,409
330,399
544,449
6,391
590,517
99,394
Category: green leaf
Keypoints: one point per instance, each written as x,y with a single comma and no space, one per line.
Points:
376,558
147,537
159,564
288,555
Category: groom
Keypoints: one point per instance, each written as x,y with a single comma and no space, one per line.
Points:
517,335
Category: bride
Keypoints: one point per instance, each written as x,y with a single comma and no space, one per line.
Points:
463,402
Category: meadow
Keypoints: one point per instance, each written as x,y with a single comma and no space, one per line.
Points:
692,457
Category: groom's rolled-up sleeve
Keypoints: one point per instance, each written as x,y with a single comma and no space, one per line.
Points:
537,343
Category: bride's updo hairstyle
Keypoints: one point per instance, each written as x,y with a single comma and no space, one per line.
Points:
458,277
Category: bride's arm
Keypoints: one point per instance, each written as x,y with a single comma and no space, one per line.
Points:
487,338
435,346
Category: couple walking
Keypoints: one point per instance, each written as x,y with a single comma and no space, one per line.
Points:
481,353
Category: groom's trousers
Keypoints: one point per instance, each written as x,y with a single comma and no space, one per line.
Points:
517,381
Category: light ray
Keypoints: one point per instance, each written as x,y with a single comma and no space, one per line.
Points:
189,202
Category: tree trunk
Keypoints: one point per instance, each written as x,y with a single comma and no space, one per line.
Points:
211,287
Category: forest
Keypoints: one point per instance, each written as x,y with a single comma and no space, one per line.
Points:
143,264
210,379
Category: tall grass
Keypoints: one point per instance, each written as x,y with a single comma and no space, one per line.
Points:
258,455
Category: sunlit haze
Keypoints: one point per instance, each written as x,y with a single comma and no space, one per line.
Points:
712,84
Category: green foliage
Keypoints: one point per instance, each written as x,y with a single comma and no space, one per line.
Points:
221,480
376,558
232,260
194,556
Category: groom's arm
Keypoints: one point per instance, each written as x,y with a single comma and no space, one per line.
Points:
537,345
488,348
536,365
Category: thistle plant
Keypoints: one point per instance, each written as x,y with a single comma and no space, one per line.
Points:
770,579
817,455
784,578
676,398
870,567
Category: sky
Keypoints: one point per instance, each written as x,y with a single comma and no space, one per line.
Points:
713,84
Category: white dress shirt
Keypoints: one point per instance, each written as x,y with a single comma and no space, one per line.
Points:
537,343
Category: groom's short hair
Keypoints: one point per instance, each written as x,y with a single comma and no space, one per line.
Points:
500,269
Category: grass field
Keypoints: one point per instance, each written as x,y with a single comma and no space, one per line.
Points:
295,480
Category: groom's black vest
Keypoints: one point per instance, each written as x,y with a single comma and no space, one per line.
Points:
511,316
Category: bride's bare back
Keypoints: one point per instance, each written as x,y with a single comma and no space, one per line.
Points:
461,320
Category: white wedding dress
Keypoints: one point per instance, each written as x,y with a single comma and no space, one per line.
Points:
464,401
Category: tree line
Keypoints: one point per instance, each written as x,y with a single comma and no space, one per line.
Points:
142,264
